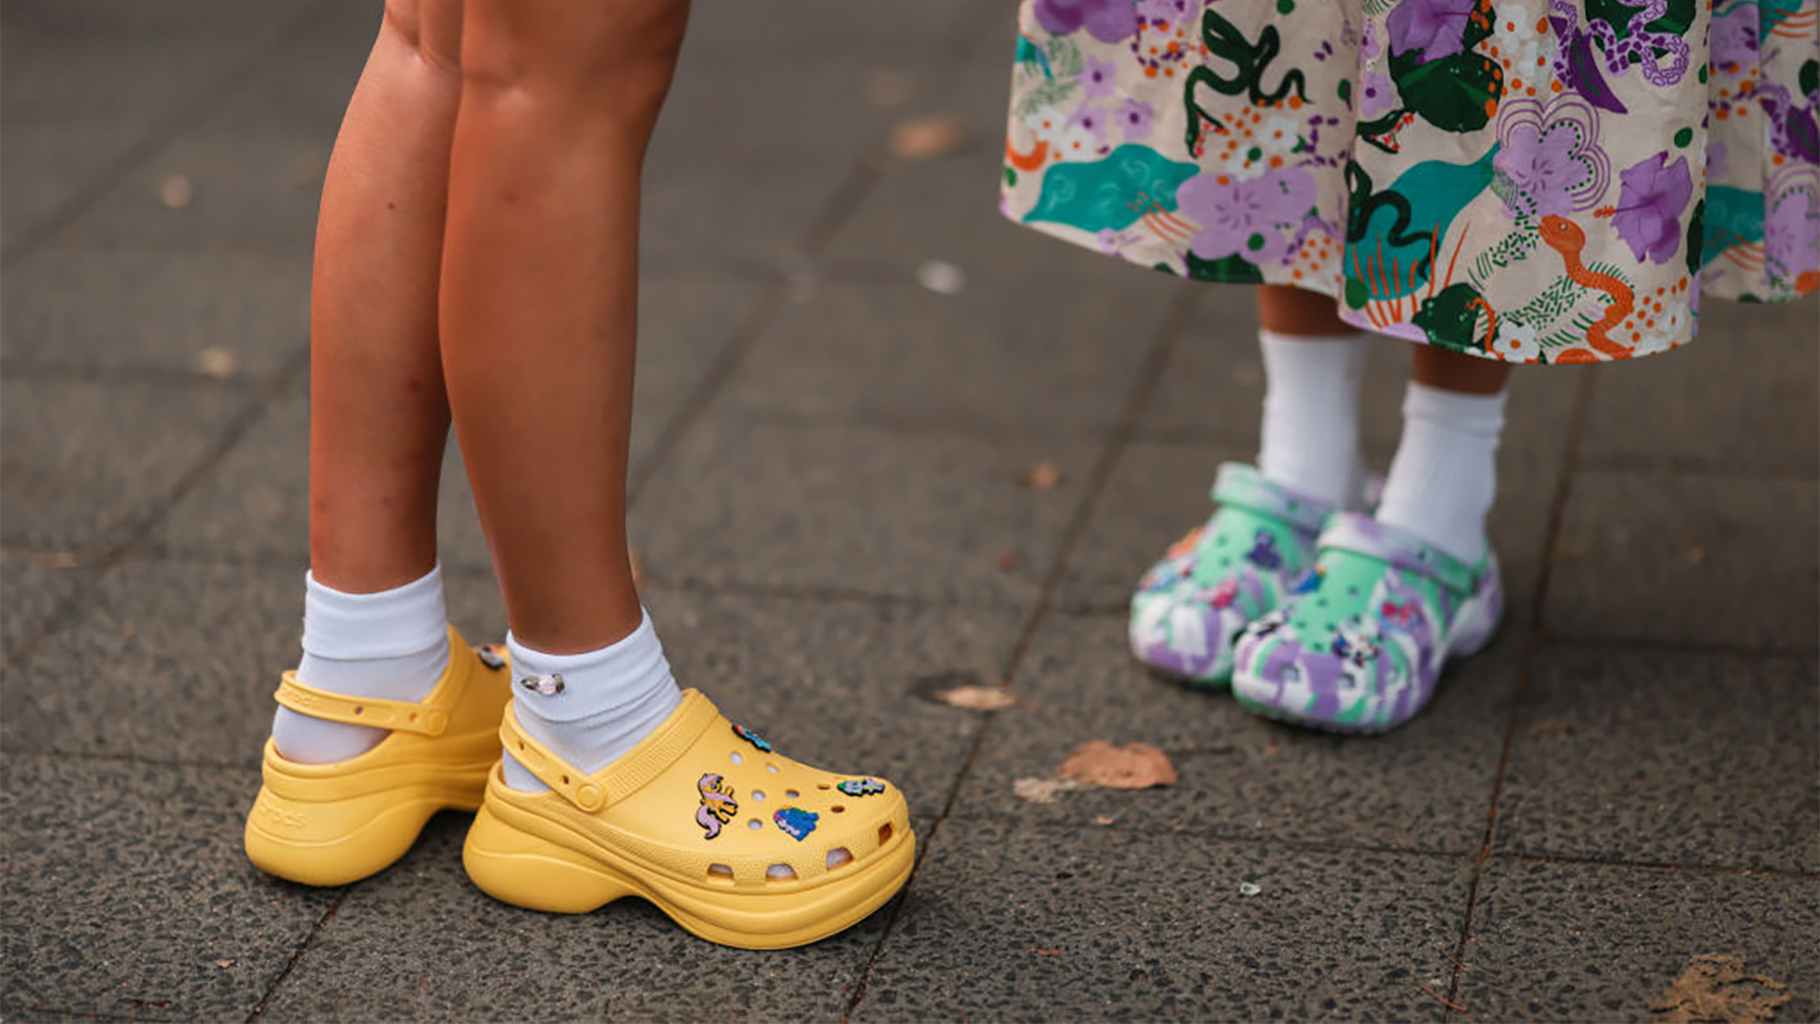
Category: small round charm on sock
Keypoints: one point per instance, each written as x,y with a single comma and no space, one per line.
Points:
549,685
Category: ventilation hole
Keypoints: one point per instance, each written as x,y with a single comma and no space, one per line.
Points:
821,785
791,794
755,824
838,856
720,871
565,780
837,808
771,768
359,710
1320,602
781,873
884,833
521,744
738,759
413,716
758,794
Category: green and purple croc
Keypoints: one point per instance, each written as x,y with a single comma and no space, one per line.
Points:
1359,644
1190,607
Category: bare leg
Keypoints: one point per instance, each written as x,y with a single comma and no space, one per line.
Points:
1293,311
1452,371
379,416
539,294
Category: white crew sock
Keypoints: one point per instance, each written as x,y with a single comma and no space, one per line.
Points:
393,645
1445,475
608,700
1311,414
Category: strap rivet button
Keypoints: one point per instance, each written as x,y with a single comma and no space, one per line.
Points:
589,797
435,720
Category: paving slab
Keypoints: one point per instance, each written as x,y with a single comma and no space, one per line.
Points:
84,461
1752,375
447,951
1683,559
1666,757
839,682
91,312
934,516
34,586
1555,941
255,505
902,356
1042,923
128,679
127,893
1426,786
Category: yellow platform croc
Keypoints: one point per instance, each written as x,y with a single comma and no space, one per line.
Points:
736,843
331,824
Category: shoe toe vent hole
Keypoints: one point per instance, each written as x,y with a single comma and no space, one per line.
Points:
720,871
771,768
565,780
780,873
837,808
884,833
823,785
791,794
758,794
738,759
839,856
755,824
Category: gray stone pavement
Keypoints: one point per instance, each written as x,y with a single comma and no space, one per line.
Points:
827,507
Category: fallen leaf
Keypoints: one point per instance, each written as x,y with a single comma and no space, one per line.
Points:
1715,988
175,191
1270,750
1553,726
927,138
1047,952
941,277
224,963
1132,766
977,698
56,560
1250,888
1006,561
1696,555
1104,820
1041,477
219,363
1044,791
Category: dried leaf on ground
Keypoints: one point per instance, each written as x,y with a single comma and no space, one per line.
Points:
1715,988
1044,791
977,698
1006,562
56,560
219,363
1041,477
175,191
941,277
926,138
1553,726
1132,766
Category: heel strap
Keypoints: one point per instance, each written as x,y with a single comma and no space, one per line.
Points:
625,775
397,715
1242,486
1351,531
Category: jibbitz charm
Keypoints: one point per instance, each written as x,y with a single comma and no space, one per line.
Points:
860,787
549,686
490,657
795,822
717,804
751,737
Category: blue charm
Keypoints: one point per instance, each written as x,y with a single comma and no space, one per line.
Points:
796,822
860,787
1264,553
751,737
1309,583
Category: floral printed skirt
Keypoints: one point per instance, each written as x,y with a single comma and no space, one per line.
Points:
1544,181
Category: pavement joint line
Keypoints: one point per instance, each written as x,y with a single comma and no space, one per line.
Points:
257,403
260,60
892,911
1557,514
1650,865
291,964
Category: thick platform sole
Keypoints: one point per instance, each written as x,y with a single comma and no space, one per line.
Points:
379,829
526,870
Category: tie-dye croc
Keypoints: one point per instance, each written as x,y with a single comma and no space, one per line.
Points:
1189,608
1361,640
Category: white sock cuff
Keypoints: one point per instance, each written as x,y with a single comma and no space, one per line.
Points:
637,657
1480,415
392,623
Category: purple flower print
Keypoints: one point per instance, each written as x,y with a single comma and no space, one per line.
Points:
1715,162
1135,117
1432,28
1376,95
1158,11
1097,77
1734,41
1791,236
1109,21
1539,162
1244,217
1651,196
1094,121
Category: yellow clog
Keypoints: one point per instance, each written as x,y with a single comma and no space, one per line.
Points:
331,824
734,842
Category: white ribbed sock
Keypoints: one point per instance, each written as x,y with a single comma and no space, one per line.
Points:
393,644
607,700
1445,475
1311,414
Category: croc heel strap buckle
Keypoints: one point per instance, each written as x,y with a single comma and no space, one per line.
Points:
1351,531
397,715
624,776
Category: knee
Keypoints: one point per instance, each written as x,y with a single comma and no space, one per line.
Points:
611,60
